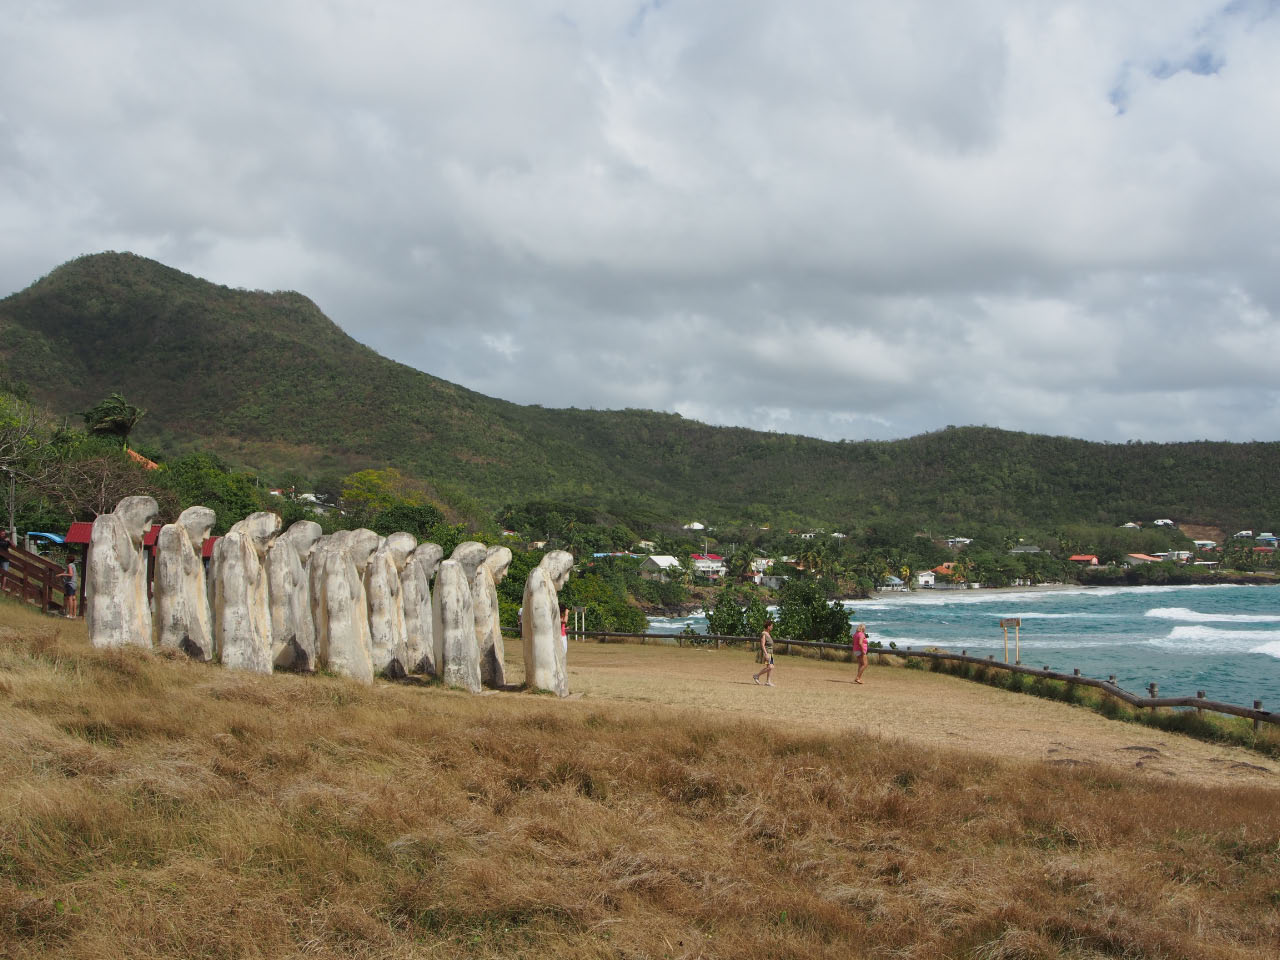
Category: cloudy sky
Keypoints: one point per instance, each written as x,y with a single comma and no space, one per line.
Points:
840,218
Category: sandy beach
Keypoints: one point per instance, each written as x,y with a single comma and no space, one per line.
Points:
908,705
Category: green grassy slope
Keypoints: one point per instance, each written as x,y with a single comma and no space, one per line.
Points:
267,379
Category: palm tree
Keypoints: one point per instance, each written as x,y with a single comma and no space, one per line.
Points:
114,417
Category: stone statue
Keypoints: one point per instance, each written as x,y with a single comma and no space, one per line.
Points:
293,632
116,607
453,626
415,592
339,605
544,655
484,598
182,618
241,605
387,631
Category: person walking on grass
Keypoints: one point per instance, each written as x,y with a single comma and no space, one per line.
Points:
68,578
858,643
766,648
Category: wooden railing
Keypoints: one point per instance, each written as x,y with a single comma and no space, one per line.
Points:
1108,686
34,579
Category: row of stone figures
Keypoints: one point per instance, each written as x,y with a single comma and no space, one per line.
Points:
351,602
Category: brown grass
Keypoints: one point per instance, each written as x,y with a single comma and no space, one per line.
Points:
152,807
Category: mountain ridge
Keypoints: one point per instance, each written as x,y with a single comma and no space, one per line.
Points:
268,379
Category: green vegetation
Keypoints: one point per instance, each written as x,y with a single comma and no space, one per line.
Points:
265,379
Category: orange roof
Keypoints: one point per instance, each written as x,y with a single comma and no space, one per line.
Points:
139,458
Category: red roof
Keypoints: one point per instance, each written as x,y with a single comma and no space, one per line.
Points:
81,529
709,556
1084,558
79,532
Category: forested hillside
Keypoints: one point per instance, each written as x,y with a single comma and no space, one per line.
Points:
265,379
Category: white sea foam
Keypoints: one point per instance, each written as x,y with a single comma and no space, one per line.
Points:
1202,639
1191,616
1271,649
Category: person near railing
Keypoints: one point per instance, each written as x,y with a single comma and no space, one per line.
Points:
69,580
766,648
5,544
859,644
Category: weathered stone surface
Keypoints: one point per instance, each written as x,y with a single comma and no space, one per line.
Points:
387,632
182,620
415,592
339,606
484,598
293,632
454,627
117,611
470,554
240,601
544,656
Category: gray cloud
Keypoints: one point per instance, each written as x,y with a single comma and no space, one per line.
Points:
845,220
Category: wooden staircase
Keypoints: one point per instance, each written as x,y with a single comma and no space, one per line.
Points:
34,579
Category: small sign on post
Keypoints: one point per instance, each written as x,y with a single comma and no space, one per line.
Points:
1016,623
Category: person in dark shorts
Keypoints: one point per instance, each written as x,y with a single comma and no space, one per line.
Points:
766,647
68,578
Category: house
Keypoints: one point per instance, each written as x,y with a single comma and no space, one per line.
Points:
926,579
1025,548
1205,544
894,583
956,543
1162,523
808,536
710,565
760,564
1084,559
1243,535
839,536
658,567
1130,526
510,533
646,545
1266,539
1138,559
695,525
773,582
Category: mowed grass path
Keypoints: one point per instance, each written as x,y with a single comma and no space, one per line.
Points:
152,807
910,706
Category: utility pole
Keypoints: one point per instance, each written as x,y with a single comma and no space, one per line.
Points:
13,531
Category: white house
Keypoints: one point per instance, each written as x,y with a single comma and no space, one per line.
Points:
658,567
1163,523
645,545
1205,544
760,564
695,525
926,579
956,543
708,565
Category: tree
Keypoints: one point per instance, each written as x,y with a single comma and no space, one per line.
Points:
726,618
113,417
805,614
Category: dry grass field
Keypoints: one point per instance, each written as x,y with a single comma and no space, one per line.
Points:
152,807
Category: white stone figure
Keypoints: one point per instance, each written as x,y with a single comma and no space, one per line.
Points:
415,592
293,632
387,632
470,554
338,603
182,619
117,611
484,599
544,656
453,625
241,605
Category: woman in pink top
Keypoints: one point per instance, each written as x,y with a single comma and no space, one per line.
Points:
859,645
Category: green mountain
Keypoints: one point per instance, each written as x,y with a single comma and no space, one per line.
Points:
266,379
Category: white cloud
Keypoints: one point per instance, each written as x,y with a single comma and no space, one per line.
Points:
841,219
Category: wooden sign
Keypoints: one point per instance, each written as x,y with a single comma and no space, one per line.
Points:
1011,622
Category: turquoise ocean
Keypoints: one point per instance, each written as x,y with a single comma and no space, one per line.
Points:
1224,640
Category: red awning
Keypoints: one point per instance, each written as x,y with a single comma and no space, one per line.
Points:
79,532
207,550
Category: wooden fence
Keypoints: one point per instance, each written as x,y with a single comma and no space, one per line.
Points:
1108,686
34,579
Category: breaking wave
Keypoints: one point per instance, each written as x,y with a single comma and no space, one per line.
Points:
1187,615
